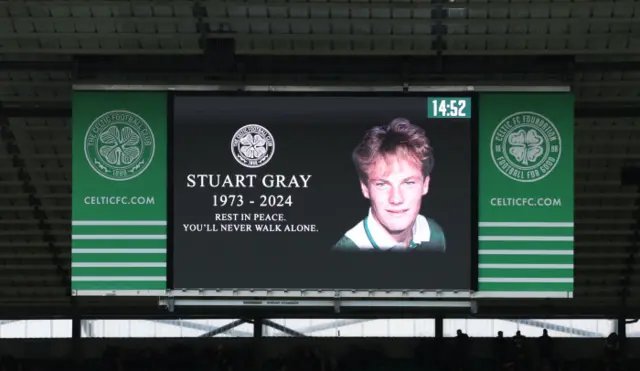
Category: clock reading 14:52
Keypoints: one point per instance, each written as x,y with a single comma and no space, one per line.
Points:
449,107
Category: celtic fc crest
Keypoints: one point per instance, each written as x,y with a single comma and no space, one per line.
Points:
119,145
526,146
252,146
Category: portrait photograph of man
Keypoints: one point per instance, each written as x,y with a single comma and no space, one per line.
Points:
394,164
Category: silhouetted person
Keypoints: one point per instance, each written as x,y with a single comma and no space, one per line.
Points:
519,351
545,349
501,350
461,350
611,351
518,336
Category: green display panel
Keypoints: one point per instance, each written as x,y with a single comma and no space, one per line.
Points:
119,217
526,193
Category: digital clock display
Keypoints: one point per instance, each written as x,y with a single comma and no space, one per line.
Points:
449,107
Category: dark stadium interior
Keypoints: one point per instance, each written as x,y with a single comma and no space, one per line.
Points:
46,47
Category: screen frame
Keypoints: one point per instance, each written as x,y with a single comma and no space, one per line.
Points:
444,92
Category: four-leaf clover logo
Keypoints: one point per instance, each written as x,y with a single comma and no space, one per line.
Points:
119,147
253,146
526,146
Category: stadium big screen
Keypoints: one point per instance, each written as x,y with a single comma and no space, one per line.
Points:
441,191
321,192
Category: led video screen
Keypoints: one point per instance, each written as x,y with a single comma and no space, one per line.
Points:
318,192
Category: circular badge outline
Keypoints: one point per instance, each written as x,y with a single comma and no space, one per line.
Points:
273,147
526,168
559,146
153,147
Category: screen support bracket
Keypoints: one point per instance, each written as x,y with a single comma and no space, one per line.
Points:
337,304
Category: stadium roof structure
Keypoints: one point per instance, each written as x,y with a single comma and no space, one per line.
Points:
47,46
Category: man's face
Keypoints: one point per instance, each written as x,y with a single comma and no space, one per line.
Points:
395,187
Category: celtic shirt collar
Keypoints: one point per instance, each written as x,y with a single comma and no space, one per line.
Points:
380,239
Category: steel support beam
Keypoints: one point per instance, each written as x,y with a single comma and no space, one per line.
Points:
137,308
439,327
77,349
88,328
36,112
340,65
200,15
495,64
439,30
310,330
558,328
201,327
40,66
630,109
622,335
258,327
283,329
223,329
620,66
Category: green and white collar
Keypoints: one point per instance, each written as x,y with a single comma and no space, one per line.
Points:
368,234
